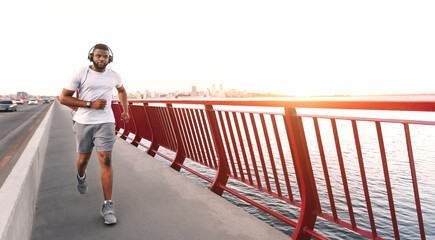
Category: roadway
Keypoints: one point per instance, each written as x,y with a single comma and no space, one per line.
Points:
16,129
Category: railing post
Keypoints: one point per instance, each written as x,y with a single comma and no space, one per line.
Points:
117,114
137,138
222,173
308,213
179,155
153,146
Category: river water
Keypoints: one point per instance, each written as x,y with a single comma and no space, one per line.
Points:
423,142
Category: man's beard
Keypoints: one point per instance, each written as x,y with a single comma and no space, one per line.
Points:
98,67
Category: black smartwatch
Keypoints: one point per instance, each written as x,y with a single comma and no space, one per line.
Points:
88,104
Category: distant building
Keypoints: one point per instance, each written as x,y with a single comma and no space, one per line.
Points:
213,90
194,92
233,93
146,94
22,95
221,95
138,95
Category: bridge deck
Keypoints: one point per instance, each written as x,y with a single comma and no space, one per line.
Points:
152,201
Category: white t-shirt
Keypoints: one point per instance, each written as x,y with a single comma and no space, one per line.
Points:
93,85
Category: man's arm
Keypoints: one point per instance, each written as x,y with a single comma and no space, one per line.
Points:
122,94
66,98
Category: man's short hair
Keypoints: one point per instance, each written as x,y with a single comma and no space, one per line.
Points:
101,46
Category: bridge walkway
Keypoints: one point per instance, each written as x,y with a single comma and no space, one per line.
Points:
152,201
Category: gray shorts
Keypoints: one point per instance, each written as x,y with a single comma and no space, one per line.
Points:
102,136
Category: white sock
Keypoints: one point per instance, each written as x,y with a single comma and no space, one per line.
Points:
81,178
107,201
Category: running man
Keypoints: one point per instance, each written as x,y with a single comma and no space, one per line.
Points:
93,124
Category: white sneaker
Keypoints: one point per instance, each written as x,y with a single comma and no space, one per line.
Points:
82,185
108,213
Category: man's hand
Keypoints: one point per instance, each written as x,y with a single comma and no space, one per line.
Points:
99,104
125,117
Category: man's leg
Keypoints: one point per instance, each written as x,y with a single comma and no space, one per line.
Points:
104,141
83,134
106,173
82,163
107,180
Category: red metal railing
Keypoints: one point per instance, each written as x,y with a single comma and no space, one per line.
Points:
268,151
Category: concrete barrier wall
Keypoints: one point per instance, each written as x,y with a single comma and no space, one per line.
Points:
19,192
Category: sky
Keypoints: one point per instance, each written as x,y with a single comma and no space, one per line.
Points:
300,48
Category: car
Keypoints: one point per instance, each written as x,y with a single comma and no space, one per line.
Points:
32,101
45,100
19,101
8,105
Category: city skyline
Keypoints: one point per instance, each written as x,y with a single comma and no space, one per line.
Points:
211,92
214,92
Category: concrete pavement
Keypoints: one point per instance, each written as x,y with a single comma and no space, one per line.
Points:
152,201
